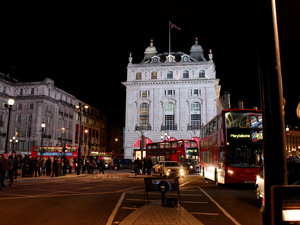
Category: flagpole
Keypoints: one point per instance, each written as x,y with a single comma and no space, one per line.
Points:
169,37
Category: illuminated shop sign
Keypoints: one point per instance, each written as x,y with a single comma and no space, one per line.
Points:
240,136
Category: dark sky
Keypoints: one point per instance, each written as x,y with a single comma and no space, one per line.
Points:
85,46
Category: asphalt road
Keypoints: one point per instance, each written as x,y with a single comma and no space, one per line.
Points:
107,199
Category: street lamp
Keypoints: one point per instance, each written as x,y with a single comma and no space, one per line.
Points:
13,141
165,136
43,125
9,105
80,108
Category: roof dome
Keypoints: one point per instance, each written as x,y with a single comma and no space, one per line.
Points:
149,52
197,51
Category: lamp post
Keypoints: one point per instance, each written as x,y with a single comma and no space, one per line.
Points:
13,141
63,142
80,108
165,136
9,105
43,125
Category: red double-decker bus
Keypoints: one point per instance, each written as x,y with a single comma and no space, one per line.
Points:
51,151
231,146
183,151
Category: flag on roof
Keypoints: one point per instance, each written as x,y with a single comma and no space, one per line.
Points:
174,26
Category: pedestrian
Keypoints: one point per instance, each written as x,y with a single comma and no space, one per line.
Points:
144,162
55,167
10,169
15,161
71,161
4,171
65,165
48,166
149,165
101,166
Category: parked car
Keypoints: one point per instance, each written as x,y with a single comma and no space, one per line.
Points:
123,164
156,166
260,185
171,168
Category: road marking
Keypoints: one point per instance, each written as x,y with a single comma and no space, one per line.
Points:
208,214
194,202
220,207
114,212
129,208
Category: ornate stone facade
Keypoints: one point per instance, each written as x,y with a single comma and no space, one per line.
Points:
175,93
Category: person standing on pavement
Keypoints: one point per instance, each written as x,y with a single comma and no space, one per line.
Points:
10,169
15,161
4,170
48,166
71,161
149,165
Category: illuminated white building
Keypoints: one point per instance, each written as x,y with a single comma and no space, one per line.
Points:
175,93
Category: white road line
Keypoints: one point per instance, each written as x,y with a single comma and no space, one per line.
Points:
220,207
114,212
129,208
207,214
194,202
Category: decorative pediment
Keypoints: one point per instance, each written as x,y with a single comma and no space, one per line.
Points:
155,59
170,59
185,58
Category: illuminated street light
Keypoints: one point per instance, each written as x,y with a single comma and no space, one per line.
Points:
43,125
80,108
9,105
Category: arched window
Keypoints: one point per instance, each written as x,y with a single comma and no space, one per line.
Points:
154,75
185,74
169,116
144,116
201,73
170,75
195,116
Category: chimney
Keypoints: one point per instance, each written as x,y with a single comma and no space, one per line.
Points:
226,99
240,104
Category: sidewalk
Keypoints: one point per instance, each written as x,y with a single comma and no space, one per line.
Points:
73,175
154,213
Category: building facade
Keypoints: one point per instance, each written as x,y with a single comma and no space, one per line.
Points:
42,102
171,94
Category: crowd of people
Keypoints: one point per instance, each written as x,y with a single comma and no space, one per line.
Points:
11,165
143,166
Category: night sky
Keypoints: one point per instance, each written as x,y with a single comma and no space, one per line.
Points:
84,47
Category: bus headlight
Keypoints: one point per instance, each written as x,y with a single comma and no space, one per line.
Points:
230,171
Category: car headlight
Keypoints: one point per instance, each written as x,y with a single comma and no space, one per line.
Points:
181,170
169,170
191,167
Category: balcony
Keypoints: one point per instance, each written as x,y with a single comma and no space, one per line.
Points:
194,127
169,127
143,127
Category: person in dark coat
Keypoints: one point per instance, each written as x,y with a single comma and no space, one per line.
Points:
149,165
48,166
